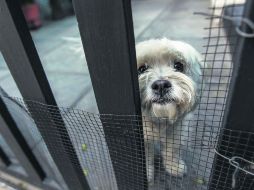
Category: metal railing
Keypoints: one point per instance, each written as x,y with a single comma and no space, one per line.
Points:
106,25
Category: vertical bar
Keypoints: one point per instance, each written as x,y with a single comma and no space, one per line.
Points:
4,158
19,146
238,114
106,30
23,61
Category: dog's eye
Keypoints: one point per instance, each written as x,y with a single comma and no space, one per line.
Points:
142,69
178,66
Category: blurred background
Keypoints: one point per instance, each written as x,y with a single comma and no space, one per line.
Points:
55,32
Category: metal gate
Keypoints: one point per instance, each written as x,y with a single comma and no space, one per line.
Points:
116,136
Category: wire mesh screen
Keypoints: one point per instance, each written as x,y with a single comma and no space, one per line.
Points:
194,145
175,157
219,47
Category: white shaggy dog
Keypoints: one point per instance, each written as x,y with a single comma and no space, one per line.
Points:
170,85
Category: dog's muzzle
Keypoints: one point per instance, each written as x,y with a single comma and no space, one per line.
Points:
160,90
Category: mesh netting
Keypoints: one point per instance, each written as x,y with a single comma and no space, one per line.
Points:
181,157
195,144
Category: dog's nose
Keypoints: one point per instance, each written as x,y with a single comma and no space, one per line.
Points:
161,86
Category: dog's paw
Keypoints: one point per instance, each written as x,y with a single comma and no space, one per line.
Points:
177,169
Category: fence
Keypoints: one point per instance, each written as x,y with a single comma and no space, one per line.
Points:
107,151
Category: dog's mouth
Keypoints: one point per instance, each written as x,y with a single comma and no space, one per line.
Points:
162,100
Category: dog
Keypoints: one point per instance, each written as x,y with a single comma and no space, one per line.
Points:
170,78
170,82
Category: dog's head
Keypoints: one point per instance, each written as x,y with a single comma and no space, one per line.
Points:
169,77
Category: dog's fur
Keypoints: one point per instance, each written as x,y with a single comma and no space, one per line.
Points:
167,123
159,57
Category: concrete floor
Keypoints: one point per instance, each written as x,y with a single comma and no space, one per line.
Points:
67,71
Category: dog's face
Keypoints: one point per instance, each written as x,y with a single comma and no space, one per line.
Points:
169,77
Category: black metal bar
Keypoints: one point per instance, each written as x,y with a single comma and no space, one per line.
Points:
4,157
235,139
19,146
23,61
106,30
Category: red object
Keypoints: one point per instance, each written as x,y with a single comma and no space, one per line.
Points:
32,15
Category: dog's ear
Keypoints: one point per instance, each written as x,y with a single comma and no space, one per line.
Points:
197,68
205,69
194,60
